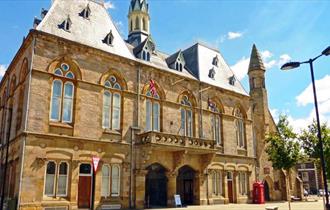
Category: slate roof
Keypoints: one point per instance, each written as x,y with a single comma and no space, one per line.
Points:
89,31
199,59
256,62
173,58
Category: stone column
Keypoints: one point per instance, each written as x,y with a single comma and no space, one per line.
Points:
140,186
225,187
200,189
171,188
235,186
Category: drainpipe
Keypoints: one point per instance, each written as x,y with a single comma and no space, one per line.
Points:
201,111
132,152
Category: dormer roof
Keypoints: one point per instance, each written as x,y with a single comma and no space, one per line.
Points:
91,31
175,57
147,43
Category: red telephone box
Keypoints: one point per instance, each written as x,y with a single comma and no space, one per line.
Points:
258,193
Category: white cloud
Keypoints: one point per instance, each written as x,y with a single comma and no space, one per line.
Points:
275,113
3,69
234,35
284,59
241,68
109,5
322,88
120,27
266,54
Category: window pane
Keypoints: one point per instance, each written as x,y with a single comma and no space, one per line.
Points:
106,110
115,184
148,115
189,126
56,100
68,102
105,181
220,183
156,116
183,122
85,169
62,183
63,169
50,178
116,112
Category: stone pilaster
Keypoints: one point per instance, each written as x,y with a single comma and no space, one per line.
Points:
171,188
140,179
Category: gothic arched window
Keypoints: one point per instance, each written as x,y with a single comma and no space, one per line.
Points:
152,112
186,116
62,94
240,128
216,123
112,104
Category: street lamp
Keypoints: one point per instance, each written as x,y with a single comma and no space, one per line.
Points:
292,65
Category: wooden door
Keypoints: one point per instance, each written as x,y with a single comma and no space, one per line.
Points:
230,191
188,192
84,191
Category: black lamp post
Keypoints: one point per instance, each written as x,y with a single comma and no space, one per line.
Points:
292,65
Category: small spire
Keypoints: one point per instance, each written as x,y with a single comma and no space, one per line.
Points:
256,62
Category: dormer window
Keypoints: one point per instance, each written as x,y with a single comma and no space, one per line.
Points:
109,38
232,80
215,61
178,66
66,25
212,73
86,12
145,55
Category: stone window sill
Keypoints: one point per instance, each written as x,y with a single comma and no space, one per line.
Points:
112,132
60,124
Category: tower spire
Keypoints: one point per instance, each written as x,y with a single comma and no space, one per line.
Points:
256,62
139,21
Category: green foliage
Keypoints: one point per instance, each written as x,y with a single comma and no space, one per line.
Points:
282,148
310,143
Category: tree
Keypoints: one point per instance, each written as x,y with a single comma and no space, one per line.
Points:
310,143
283,149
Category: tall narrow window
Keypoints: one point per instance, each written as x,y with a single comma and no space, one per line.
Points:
105,187
137,24
61,109
152,112
50,179
115,180
216,123
111,104
186,117
240,129
62,183
243,183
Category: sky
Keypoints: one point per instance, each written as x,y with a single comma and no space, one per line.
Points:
282,31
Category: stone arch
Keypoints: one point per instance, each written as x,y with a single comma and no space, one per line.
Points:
268,188
241,109
218,103
74,67
187,185
243,167
59,154
190,95
12,85
218,166
24,70
159,89
120,78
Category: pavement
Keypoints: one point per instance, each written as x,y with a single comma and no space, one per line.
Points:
310,204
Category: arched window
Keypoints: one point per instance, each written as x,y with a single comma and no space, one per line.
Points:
105,190
217,183
115,180
240,128
137,23
243,183
112,104
62,182
152,112
131,25
144,24
50,179
186,117
216,122
62,95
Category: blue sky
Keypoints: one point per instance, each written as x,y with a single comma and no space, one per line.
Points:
282,31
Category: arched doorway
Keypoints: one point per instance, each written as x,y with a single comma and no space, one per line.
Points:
156,186
266,191
185,185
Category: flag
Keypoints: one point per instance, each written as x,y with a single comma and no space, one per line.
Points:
210,103
152,88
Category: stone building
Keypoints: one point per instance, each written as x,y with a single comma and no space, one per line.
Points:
161,124
310,175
